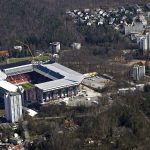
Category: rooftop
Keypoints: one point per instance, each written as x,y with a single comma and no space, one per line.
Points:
61,75
70,77
8,86
53,85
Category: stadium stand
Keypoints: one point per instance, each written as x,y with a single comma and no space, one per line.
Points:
19,79
48,71
19,70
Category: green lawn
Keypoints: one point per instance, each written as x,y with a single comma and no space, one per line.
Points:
14,60
27,86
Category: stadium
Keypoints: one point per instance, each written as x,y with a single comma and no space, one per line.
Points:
43,82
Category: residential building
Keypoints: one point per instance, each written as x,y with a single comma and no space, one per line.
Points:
13,106
138,72
145,42
135,27
54,47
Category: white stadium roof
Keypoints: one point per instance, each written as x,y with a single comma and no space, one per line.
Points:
71,78
56,84
3,76
63,76
64,69
18,70
8,86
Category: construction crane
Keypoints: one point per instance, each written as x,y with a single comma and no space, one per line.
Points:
27,47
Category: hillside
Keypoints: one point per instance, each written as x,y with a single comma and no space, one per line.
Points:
37,23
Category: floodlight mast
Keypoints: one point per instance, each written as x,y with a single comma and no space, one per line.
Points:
27,47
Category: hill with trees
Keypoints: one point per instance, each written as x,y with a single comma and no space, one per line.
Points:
125,125
40,22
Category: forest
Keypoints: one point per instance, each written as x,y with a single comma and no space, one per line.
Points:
37,23
125,126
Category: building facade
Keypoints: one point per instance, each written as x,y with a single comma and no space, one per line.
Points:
36,83
13,106
145,43
54,47
47,95
138,72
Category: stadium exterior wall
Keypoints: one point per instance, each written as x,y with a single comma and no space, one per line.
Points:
52,95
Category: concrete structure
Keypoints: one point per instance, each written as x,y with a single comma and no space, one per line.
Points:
13,106
60,81
97,82
141,72
30,112
145,42
65,83
11,95
138,72
138,87
135,27
54,47
124,91
76,46
148,40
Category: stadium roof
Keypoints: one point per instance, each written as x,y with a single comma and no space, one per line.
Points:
67,73
8,86
3,76
61,75
71,78
64,70
18,70
56,84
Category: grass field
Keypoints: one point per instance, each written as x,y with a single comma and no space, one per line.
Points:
38,58
27,86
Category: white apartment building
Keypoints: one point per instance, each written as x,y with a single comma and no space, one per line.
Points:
138,72
13,106
54,47
145,42
12,99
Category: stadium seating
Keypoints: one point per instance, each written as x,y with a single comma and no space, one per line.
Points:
18,79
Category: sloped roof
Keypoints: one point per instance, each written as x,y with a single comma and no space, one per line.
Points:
63,76
8,86
71,78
